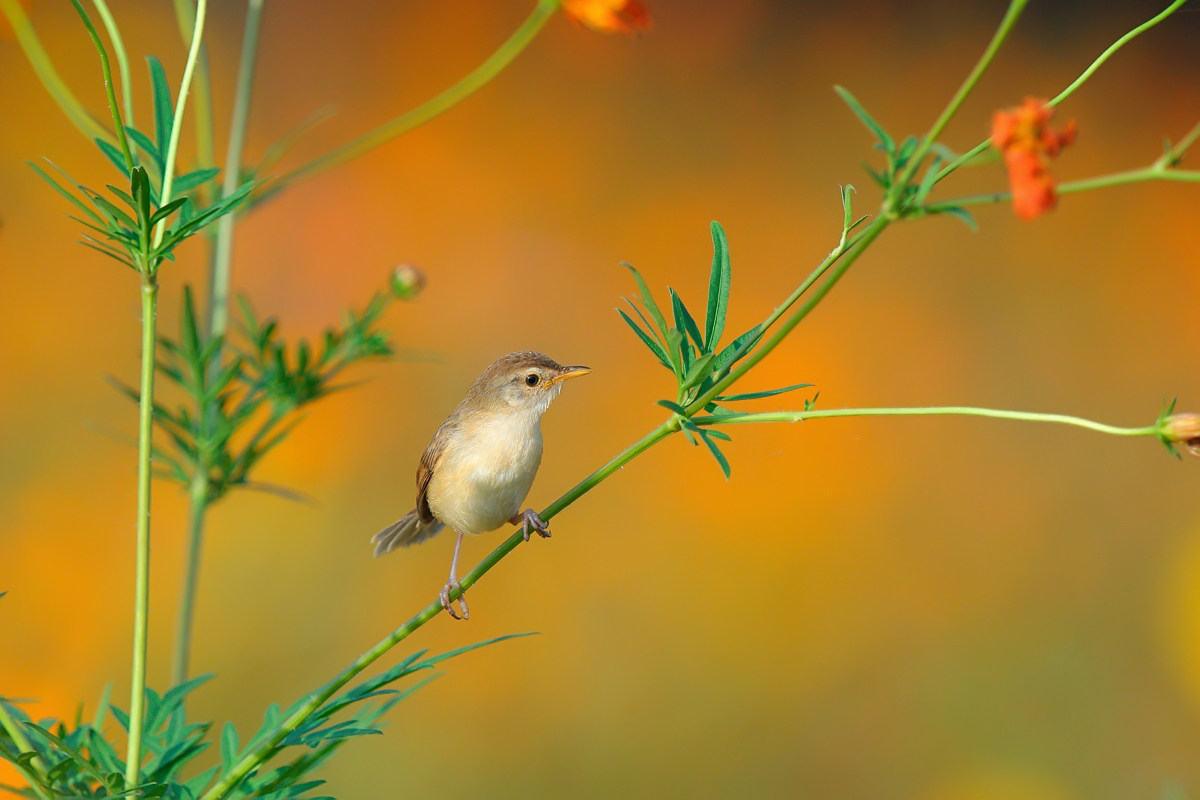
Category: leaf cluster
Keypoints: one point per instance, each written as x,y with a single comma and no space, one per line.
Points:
78,760
905,198
123,222
694,356
241,395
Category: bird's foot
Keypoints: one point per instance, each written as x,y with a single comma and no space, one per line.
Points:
530,522
446,604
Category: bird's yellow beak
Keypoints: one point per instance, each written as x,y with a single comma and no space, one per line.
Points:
569,372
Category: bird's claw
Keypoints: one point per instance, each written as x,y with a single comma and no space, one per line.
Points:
444,596
531,522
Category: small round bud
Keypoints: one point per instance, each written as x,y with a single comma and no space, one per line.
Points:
407,282
1182,429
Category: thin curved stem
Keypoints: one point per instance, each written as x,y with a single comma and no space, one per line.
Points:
23,746
185,16
1075,84
1024,416
253,759
114,35
197,506
106,69
177,123
1114,47
43,67
989,54
430,109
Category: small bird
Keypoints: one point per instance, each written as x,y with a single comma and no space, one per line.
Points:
476,471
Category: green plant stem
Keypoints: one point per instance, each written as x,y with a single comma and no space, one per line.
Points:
114,35
43,67
1065,93
255,757
1114,47
843,256
1024,416
141,611
177,123
429,110
222,263
927,141
197,511
106,69
185,16
23,746
1154,172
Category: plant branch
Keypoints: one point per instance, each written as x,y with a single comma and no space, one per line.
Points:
137,690
106,69
430,109
927,141
43,67
23,746
197,509
1025,416
1087,73
185,16
222,264
255,757
114,35
1114,47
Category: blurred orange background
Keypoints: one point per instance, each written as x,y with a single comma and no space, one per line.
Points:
918,608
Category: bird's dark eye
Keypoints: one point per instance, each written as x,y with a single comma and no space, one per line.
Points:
533,379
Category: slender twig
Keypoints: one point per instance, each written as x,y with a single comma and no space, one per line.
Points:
927,141
1025,416
1075,84
222,263
22,742
185,16
137,691
428,110
114,35
106,69
1114,47
49,77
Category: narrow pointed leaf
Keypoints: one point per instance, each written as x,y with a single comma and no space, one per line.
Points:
648,301
63,191
684,321
766,393
884,138
962,214
112,154
716,452
718,289
164,111
654,346
747,339
678,409
191,180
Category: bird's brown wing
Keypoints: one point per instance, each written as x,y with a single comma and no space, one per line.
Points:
425,473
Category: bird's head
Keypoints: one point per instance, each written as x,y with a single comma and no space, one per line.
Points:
525,381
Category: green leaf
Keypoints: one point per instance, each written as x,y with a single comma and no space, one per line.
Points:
167,210
678,409
684,321
927,181
889,144
654,346
648,301
112,154
229,745
146,144
963,214
767,393
907,148
114,214
846,191
61,190
71,752
748,338
698,371
716,451
718,289
191,180
164,111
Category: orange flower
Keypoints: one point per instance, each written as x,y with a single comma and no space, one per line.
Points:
1024,136
609,16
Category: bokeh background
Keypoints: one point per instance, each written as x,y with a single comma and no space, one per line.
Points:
914,608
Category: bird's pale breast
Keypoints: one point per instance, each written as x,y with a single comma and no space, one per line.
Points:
483,478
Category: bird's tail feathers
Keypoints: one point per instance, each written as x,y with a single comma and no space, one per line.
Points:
407,530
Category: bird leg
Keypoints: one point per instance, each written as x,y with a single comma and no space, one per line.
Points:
530,522
453,583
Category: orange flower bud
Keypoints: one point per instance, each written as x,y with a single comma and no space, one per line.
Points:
407,282
609,16
1182,429
1025,139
